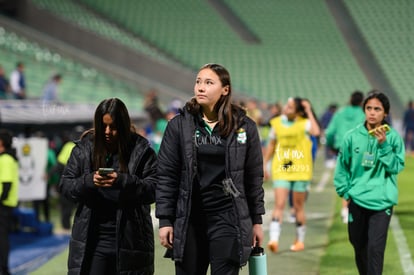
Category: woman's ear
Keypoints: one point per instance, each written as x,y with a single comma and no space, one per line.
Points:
226,90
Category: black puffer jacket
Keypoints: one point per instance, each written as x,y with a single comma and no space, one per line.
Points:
135,237
177,170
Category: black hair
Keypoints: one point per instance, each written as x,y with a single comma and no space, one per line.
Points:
121,120
381,97
57,77
356,98
227,112
6,137
299,107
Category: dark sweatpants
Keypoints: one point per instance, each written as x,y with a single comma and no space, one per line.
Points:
101,251
367,231
211,240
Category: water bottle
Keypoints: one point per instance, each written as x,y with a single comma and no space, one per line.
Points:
257,261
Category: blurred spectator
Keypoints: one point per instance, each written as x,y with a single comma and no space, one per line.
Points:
18,82
67,206
151,106
50,91
330,155
160,127
342,121
274,110
253,111
4,84
51,180
175,105
408,124
327,115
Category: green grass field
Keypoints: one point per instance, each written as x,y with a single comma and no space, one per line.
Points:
338,258
337,254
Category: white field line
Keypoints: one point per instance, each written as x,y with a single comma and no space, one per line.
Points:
405,255
326,175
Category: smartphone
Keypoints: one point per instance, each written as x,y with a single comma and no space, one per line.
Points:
105,171
384,126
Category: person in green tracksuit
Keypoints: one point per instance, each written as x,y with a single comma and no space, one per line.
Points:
9,180
342,121
366,176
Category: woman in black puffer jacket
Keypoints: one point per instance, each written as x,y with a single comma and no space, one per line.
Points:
210,195
112,231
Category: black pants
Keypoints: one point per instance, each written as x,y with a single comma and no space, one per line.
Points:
367,231
101,253
44,204
6,215
211,240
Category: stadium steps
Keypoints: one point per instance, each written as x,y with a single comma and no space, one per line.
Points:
305,57
80,84
388,28
78,14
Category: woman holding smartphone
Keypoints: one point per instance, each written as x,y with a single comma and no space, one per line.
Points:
111,174
369,160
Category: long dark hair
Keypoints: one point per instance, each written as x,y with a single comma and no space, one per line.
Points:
299,109
121,120
228,114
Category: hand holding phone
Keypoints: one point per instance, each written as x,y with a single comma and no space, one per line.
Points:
384,126
105,171
102,178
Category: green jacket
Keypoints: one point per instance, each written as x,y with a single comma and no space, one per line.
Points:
9,180
373,187
343,121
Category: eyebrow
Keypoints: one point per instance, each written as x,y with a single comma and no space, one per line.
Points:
206,79
374,107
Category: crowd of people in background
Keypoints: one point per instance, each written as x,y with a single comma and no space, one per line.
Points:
262,112
276,125
15,86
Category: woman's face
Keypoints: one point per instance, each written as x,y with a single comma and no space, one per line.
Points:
110,129
289,109
208,88
374,112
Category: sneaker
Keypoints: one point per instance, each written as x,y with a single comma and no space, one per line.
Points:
297,246
273,246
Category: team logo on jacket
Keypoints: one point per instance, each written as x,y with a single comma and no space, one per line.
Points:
241,136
